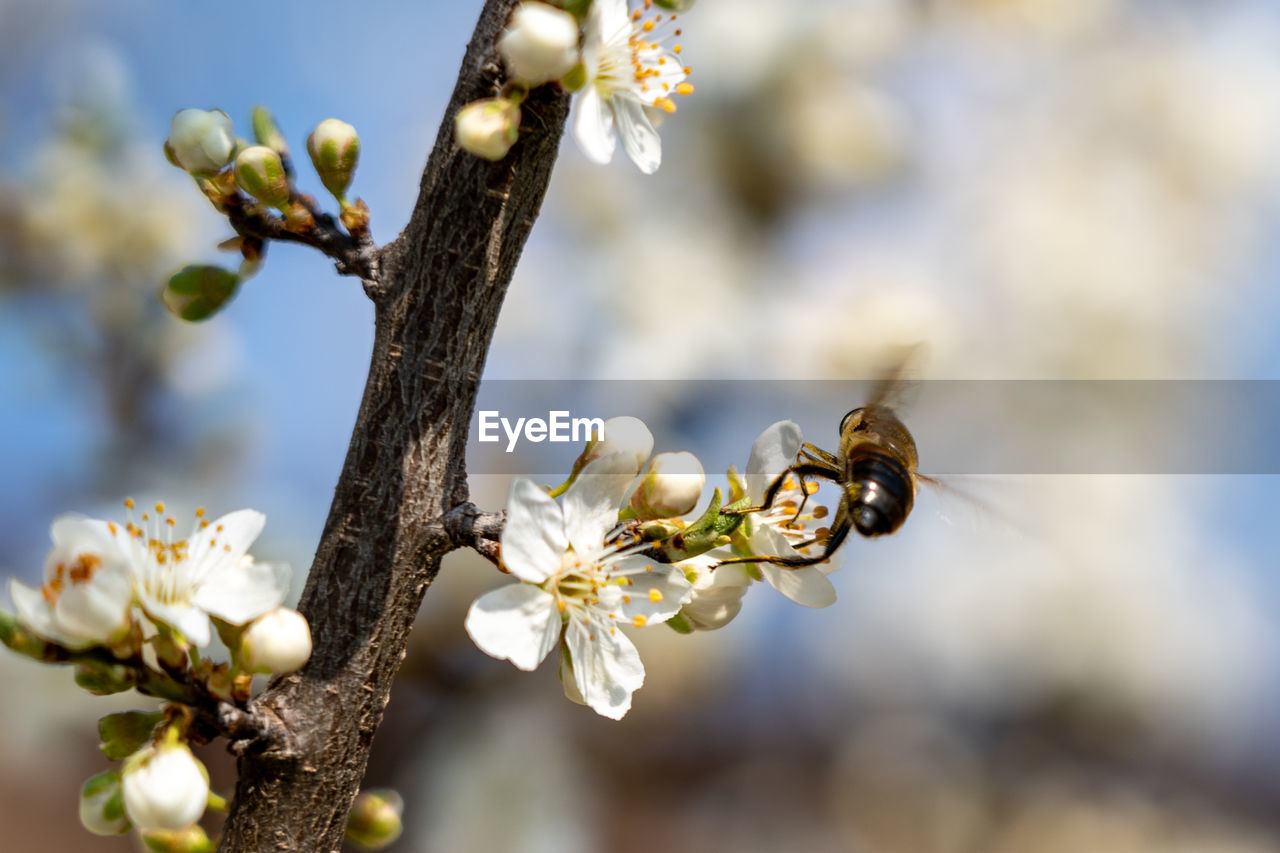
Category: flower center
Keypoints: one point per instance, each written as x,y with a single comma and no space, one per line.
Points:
78,571
634,61
163,558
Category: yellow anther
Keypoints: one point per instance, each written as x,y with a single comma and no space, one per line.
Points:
199,512
677,49
111,525
639,620
128,503
655,595
647,26
819,511
561,606
626,599
171,521
810,488
684,89
226,547
159,507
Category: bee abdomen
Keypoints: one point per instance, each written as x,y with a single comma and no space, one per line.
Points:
880,492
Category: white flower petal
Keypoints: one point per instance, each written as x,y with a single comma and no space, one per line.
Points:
34,612
592,502
772,453
806,586
593,126
517,622
639,139
533,540
79,534
191,622
243,592
225,540
654,596
606,667
96,610
608,20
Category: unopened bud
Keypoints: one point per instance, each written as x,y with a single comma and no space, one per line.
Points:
261,174
540,43
201,141
267,132
487,128
620,435
102,805
375,819
193,839
672,486
277,642
335,149
165,787
717,593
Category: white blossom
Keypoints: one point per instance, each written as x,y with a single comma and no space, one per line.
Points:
775,532
102,806
88,588
627,70
576,589
717,592
671,487
181,583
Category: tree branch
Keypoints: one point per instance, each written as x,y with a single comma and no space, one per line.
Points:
355,254
437,292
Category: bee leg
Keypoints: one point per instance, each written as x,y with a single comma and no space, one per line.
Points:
816,454
802,469
840,527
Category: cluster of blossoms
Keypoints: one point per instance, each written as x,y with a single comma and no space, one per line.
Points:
245,180
131,605
617,551
611,57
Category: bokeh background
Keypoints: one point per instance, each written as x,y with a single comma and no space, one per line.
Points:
1039,189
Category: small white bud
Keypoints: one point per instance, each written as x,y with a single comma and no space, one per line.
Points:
275,643
487,128
165,787
334,148
540,43
260,172
201,140
623,434
102,805
672,486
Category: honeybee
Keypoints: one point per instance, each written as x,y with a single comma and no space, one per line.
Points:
876,469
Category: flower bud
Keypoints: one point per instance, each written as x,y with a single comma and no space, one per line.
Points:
620,435
375,819
102,805
275,643
540,43
487,128
261,174
198,291
201,140
672,486
165,786
334,149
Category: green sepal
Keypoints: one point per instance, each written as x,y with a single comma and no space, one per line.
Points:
680,624
737,485
193,839
103,679
95,785
676,5
577,8
711,529
114,809
23,641
125,733
198,291
575,79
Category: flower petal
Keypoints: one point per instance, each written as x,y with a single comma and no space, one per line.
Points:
772,453
97,609
191,622
639,139
78,534
806,586
592,502
223,542
243,592
517,622
533,540
606,667
653,596
593,126
36,614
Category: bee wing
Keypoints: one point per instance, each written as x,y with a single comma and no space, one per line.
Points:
894,379
981,503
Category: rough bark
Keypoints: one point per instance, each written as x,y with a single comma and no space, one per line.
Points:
437,290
